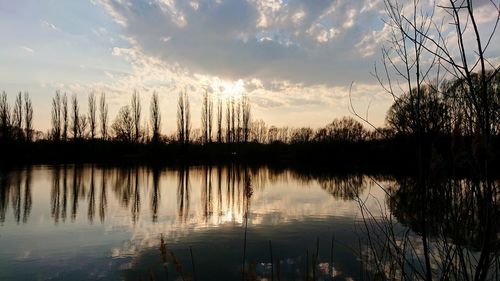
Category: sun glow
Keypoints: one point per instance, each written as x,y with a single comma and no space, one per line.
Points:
227,89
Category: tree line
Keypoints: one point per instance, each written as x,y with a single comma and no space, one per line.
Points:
443,110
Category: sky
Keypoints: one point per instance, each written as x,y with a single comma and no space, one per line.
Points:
295,59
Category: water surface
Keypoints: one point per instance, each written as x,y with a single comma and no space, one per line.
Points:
95,223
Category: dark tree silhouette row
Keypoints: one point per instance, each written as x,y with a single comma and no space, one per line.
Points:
443,111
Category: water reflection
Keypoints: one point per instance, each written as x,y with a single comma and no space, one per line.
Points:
187,204
460,209
155,196
344,187
16,187
221,194
451,229
447,204
183,194
221,190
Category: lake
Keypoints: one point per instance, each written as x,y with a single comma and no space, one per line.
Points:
100,223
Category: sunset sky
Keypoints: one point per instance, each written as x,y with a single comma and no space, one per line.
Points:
294,58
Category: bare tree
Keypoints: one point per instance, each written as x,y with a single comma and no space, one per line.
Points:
4,117
344,129
238,121
136,115
181,135
65,117
272,134
246,118
404,58
233,131
56,116
82,129
92,115
187,117
283,134
421,48
145,132
75,117
301,135
103,114
28,117
259,131
17,116
210,118
204,117
219,119
459,65
228,121
207,108
123,125
155,117
183,118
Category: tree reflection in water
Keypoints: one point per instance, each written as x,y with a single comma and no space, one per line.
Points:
458,217
221,189
183,194
16,187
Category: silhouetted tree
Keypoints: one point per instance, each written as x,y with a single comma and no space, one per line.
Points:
75,117
343,129
28,117
204,117
92,115
207,108
462,60
82,129
419,43
210,117
284,134
219,119
65,117
259,131
17,116
136,115
228,121
187,124
5,125
56,116
272,134
103,113
123,125
183,118
238,122
155,117
233,119
460,104
302,135
181,115
433,114
245,104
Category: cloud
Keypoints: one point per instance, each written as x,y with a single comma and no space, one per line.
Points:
100,31
27,49
286,55
48,25
300,41
150,74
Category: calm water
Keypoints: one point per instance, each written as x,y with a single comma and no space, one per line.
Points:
93,223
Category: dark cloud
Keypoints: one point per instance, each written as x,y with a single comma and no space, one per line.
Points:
321,42
247,39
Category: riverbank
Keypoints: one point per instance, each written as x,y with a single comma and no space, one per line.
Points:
394,155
